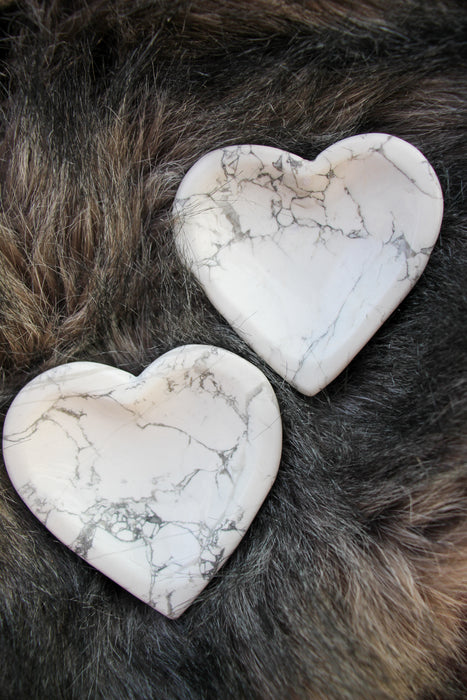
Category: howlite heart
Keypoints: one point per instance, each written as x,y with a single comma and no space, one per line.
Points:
152,479
307,259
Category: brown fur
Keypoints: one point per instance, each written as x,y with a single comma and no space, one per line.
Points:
352,581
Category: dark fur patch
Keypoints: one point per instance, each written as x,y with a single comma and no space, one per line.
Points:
352,581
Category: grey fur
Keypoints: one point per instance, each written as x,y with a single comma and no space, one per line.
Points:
352,581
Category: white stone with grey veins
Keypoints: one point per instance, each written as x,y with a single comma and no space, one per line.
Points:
306,259
152,479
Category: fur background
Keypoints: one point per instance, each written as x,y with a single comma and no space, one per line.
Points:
352,581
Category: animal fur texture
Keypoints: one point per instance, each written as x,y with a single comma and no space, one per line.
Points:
352,580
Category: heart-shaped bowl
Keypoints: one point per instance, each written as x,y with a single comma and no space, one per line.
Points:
153,479
307,259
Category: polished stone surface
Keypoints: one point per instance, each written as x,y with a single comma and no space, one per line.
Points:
306,259
151,479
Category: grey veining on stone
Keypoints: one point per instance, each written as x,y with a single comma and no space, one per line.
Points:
152,479
306,259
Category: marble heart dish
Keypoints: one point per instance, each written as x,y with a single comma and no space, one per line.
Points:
152,479
306,259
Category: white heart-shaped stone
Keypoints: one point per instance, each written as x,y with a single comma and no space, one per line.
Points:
154,479
306,259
